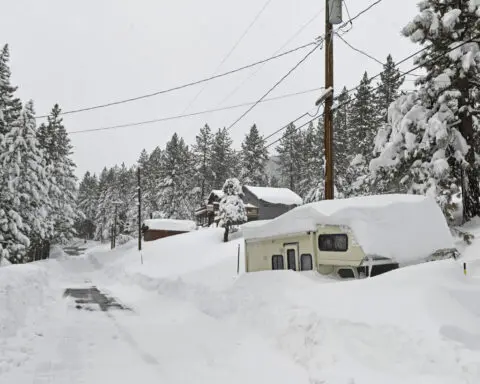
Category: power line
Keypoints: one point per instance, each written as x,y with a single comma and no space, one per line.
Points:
320,39
300,30
184,85
227,56
181,116
274,86
431,61
366,54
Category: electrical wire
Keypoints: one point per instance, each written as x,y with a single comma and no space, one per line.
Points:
431,61
181,116
227,56
300,30
69,112
274,86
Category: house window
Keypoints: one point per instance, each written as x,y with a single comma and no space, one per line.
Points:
277,262
333,243
306,263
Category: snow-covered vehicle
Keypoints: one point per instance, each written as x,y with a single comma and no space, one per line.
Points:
361,236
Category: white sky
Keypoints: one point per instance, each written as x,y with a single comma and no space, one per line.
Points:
82,53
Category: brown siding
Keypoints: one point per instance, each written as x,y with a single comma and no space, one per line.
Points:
151,234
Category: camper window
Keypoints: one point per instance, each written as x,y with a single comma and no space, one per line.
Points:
306,262
333,243
277,262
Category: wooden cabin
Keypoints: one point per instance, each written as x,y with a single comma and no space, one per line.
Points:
154,229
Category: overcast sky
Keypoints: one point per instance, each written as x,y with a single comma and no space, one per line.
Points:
82,53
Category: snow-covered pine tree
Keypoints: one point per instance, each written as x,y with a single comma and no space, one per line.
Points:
343,146
87,202
232,209
433,131
54,140
175,188
202,152
312,175
388,88
290,153
10,106
253,159
24,172
224,158
362,130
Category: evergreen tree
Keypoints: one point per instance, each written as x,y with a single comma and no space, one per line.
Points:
26,199
202,152
431,134
388,87
224,158
290,153
87,201
254,157
232,209
175,188
312,169
54,139
10,106
343,145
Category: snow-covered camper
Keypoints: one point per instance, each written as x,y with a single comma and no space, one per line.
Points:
351,237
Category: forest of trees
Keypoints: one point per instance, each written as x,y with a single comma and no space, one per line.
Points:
386,140
38,185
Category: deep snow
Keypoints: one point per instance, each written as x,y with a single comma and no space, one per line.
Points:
194,320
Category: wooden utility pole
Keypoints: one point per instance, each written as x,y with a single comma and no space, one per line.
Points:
139,210
328,115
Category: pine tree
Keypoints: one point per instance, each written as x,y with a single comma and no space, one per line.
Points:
432,133
312,175
53,138
388,87
254,157
224,158
175,188
232,209
343,145
24,173
87,201
202,152
290,152
10,106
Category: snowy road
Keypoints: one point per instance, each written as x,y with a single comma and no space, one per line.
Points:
417,325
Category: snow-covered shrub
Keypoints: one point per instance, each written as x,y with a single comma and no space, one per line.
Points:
232,209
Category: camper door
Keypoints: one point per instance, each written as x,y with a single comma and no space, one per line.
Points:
290,251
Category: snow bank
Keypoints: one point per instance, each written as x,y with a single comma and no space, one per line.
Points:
195,257
171,225
275,195
405,228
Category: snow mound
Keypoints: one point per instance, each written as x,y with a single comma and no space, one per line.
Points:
275,195
405,228
171,225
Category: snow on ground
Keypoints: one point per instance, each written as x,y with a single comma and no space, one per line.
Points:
193,320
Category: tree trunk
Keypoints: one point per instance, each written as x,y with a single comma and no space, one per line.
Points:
470,187
225,234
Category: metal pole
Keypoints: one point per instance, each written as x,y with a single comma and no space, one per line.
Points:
139,211
115,228
328,115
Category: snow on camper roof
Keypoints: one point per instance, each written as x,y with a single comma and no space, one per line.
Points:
276,195
170,225
404,228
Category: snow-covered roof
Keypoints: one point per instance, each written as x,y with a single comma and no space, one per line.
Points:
402,227
275,195
171,225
